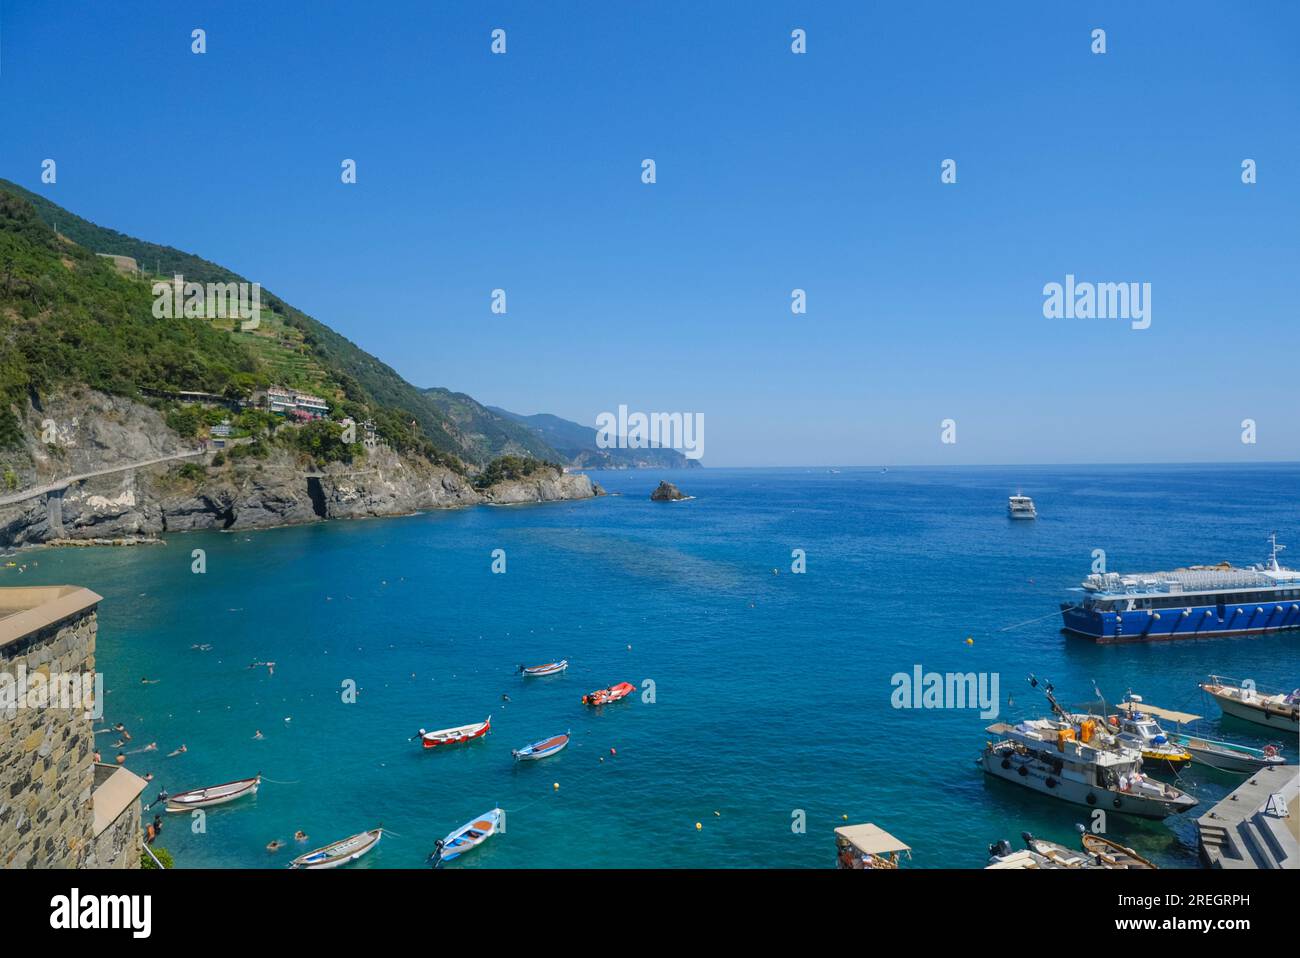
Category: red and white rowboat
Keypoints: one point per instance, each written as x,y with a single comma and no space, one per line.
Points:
462,733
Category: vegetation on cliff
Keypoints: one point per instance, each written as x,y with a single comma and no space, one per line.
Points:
510,468
67,316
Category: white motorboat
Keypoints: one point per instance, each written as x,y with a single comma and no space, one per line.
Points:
1021,507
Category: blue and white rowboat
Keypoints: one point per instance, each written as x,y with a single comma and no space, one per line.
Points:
470,835
543,749
550,668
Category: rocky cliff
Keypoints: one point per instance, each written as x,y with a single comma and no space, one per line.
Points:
93,432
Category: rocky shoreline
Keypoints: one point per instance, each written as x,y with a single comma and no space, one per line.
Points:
281,489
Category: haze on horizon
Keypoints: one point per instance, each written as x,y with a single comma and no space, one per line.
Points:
775,171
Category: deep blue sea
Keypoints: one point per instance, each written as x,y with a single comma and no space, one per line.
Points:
771,693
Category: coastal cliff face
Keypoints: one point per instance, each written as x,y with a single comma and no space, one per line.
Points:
543,488
97,432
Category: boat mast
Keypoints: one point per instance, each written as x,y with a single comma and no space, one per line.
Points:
1273,566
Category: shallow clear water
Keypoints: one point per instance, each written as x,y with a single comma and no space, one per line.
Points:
771,692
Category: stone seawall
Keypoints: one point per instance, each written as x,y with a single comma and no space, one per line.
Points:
47,773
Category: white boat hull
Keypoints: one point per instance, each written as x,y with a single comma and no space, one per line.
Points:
184,806
1256,716
1075,792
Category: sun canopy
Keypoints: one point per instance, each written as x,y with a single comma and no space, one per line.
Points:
871,839
1180,717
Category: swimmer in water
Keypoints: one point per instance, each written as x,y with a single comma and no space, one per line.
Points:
151,747
121,758
148,681
258,734
300,836
180,751
274,845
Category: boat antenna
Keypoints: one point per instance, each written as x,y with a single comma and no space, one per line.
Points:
1051,699
1101,697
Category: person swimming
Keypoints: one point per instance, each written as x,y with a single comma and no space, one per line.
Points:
145,680
180,751
258,734
300,836
274,845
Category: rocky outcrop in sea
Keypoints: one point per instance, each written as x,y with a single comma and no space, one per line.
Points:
667,492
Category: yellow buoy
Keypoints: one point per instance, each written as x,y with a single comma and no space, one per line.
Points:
969,640
698,826
557,786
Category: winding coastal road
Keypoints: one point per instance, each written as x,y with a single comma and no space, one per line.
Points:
66,481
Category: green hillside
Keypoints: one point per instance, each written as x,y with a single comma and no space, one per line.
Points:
70,317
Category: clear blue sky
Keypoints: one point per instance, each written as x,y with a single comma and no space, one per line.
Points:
775,171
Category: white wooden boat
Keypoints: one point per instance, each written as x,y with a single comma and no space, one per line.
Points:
543,749
1113,854
213,794
1276,711
341,852
461,733
468,836
550,668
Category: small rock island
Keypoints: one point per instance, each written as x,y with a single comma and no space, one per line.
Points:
667,492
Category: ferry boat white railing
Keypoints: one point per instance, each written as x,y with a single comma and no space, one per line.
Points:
1264,576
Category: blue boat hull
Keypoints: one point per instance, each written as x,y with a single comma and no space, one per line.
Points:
1193,622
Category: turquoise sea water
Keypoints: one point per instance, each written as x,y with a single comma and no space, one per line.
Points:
771,692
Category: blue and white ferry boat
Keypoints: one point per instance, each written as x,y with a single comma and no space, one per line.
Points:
1194,603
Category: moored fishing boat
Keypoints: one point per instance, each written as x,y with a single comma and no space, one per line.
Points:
1214,753
213,794
1246,702
611,694
461,733
1193,603
1079,762
1140,730
543,749
1113,853
868,846
549,668
341,852
468,836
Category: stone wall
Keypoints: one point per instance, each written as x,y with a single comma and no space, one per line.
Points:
118,842
46,754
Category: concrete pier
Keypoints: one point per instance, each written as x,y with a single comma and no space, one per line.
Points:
1249,829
